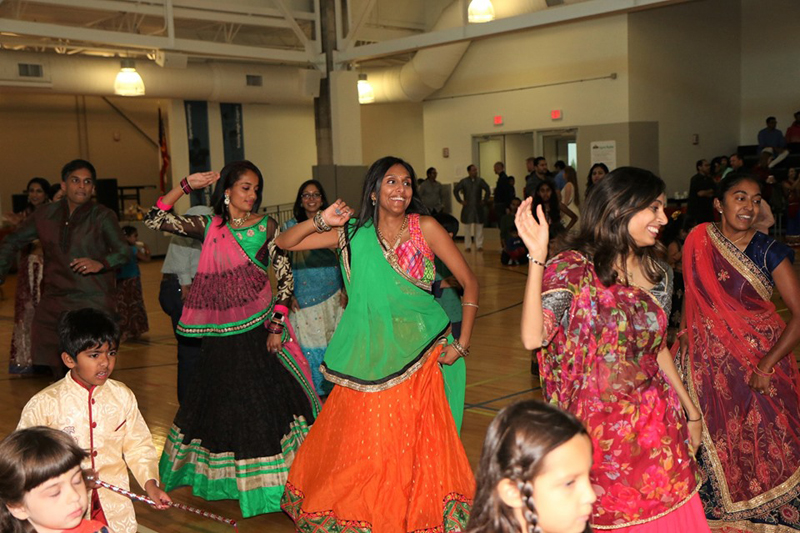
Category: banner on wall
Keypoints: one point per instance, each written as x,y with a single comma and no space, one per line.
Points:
604,152
232,132
199,146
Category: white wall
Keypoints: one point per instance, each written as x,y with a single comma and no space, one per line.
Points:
281,141
542,56
393,129
684,66
770,66
41,132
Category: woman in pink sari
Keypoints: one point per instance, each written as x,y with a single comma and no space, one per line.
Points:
599,311
739,367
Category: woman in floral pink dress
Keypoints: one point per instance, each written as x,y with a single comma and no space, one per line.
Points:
599,310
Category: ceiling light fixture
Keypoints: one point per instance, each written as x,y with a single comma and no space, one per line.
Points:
366,95
128,82
480,11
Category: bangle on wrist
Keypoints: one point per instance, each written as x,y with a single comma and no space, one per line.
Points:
319,223
469,304
535,261
162,205
185,185
681,333
762,373
460,349
281,309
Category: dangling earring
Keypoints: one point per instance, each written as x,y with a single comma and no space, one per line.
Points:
373,200
227,200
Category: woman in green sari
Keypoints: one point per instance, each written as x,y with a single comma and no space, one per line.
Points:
384,455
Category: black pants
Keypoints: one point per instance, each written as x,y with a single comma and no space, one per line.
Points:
188,347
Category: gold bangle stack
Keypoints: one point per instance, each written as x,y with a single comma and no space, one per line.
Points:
319,223
463,352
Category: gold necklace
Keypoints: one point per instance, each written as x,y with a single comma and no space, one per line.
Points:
740,238
397,238
237,222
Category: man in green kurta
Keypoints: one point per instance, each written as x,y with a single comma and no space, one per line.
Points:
473,194
82,244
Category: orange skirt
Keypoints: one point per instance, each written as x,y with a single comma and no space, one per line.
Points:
383,462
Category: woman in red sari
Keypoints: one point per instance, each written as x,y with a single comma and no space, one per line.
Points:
599,311
739,367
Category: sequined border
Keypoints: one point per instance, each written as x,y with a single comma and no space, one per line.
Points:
750,527
350,383
738,260
652,518
718,479
344,247
391,258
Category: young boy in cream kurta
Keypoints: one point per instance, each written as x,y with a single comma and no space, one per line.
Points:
101,414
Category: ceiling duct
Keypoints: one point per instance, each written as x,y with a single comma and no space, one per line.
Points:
212,81
429,69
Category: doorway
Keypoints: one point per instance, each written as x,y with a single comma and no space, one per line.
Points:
512,149
559,145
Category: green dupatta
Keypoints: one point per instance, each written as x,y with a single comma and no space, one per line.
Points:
390,324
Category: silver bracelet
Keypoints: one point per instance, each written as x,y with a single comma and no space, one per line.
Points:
535,261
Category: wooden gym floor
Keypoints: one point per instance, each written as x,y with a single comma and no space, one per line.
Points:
498,372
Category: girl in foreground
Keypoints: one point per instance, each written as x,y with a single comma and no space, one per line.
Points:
41,484
599,310
534,473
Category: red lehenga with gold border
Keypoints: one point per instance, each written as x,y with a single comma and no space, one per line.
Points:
751,442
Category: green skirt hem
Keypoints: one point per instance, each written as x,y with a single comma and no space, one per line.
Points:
251,502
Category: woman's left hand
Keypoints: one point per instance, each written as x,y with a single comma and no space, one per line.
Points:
274,344
695,434
337,214
449,355
759,383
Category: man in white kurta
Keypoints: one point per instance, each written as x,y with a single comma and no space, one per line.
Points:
105,420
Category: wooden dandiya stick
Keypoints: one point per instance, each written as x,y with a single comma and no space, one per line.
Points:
150,501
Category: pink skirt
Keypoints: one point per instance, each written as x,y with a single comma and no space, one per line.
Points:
688,518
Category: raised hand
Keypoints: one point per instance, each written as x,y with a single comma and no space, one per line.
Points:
535,235
201,180
337,214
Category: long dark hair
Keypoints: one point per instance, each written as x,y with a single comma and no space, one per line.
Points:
299,212
517,441
552,208
572,177
229,175
589,182
372,184
604,223
28,458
